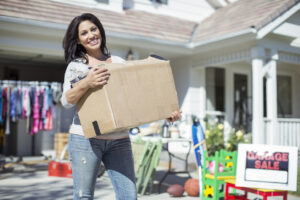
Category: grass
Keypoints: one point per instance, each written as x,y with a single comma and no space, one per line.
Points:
297,193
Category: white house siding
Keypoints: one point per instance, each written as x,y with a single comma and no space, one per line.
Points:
185,9
181,72
190,85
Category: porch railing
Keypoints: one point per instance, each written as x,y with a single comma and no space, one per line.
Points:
288,131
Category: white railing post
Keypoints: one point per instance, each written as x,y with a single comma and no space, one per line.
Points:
288,131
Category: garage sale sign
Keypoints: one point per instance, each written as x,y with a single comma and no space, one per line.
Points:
267,167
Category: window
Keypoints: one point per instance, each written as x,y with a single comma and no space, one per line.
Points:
215,89
284,95
160,1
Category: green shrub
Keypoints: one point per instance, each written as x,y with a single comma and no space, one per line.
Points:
214,136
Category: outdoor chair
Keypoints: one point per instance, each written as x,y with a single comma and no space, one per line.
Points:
146,158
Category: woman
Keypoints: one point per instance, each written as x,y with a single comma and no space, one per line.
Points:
85,48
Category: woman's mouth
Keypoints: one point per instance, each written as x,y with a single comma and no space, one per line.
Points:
93,42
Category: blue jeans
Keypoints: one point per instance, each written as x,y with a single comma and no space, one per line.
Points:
86,156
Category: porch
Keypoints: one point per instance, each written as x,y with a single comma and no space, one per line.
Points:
254,88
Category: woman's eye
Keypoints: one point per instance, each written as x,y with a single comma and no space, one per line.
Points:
83,33
94,29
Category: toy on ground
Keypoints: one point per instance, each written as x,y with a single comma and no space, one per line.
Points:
191,187
211,167
175,190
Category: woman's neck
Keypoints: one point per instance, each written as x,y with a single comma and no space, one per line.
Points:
96,55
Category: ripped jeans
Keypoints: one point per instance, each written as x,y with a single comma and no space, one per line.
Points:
86,156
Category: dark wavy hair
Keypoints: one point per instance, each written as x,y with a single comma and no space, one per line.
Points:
73,50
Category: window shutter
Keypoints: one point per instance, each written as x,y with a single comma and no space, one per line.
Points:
103,1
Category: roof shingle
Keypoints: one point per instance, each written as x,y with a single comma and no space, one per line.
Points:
241,15
233,18
129,22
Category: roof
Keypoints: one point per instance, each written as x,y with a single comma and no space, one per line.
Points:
241,15
236,17
128,22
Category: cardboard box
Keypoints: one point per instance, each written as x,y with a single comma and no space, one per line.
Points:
138,92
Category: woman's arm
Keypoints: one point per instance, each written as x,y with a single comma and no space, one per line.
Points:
95,77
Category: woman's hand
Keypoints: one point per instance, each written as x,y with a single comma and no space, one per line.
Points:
97,77
176,115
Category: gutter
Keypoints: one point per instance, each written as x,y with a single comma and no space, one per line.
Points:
181,45
224,37
34,22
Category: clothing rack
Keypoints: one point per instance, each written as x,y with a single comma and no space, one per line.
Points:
37,93
29,83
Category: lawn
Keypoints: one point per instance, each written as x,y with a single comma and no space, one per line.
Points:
297,193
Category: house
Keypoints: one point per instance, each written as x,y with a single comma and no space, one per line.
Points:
236,60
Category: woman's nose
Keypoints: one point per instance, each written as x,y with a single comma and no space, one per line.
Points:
90,34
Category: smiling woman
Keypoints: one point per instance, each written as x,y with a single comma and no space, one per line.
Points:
85,51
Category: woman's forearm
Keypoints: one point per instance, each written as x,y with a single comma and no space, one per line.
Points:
74,94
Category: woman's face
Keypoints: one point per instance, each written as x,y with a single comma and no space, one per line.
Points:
89,36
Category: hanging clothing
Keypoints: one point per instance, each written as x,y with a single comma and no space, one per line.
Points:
7,124
13,105
18,103
32,102
36,113
1,105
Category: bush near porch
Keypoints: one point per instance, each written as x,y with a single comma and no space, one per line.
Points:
214,138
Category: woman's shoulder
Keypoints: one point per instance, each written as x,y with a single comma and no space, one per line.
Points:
77,63
117,59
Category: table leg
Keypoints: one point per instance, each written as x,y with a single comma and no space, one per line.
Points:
170,165
167,173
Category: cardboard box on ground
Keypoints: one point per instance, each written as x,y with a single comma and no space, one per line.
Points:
138,92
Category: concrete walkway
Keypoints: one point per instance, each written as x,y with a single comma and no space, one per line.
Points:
32,182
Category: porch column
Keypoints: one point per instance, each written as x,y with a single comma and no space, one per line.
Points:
257,54
202,91
272,97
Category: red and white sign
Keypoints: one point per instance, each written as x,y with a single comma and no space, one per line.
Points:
267,167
